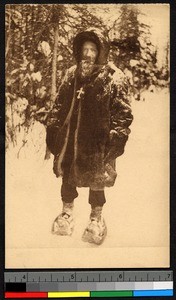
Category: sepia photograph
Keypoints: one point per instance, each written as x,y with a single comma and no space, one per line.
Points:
87,91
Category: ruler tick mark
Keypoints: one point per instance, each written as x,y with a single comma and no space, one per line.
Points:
91,277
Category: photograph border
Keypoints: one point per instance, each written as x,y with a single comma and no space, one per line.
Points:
172,138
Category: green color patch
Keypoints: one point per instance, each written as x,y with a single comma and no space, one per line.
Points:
112,294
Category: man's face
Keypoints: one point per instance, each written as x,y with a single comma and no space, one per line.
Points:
89,52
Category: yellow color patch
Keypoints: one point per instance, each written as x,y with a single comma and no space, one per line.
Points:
68,294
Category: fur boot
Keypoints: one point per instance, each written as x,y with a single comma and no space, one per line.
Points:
64,223
96,230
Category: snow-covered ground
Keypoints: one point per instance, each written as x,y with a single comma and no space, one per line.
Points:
136,212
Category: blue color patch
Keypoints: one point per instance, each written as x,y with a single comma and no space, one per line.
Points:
153,293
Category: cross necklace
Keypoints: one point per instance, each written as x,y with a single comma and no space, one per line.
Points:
80,92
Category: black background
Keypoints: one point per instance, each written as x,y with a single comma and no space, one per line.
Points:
172,137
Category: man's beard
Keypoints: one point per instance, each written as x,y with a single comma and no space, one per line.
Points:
85,68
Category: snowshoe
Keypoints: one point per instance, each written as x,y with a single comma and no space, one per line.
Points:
63,224
95,232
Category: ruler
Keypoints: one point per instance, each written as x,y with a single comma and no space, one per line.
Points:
58,284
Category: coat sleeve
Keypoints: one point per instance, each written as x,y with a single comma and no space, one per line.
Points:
120,116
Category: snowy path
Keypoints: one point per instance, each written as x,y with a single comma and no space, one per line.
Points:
136,212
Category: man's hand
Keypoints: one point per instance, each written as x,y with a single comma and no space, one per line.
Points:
57,168
112,134
110,175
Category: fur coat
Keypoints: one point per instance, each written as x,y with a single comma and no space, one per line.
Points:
99,111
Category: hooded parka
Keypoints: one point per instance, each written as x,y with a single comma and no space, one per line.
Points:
89,122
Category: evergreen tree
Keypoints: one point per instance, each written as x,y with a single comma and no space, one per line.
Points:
135,50
38,51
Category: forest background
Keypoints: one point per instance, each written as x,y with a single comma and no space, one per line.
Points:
38,51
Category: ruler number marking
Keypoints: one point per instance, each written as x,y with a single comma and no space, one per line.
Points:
120,276
72,276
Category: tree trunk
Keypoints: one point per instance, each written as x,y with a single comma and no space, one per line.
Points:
54,65
8,34
53,78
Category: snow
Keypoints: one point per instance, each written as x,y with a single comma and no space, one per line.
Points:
137,208
36,76
44,48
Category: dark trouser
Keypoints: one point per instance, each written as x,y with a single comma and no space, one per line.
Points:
69,193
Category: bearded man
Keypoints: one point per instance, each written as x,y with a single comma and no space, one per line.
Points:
87,130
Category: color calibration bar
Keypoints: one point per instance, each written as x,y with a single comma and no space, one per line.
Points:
89,284
92,294
106,289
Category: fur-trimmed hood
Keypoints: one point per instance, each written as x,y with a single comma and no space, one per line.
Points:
96,36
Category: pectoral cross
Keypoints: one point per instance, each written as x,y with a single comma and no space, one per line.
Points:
80,92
